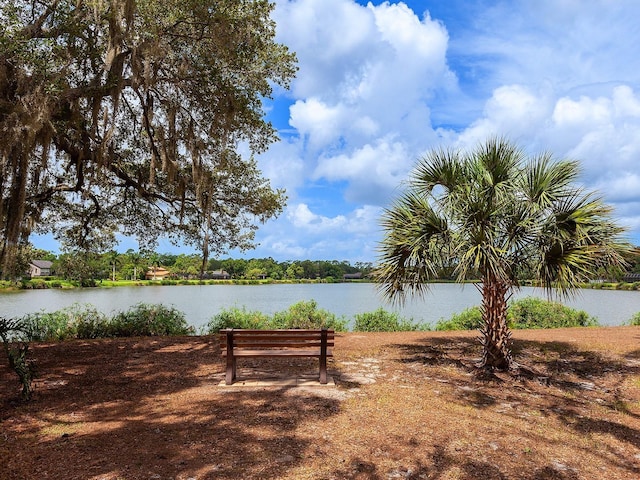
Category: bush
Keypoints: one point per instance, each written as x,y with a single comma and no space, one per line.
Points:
236,318
76,321
305,314
635,320
87,322
149,320
528,312
35,284
533,312
382,321
47,326
468,319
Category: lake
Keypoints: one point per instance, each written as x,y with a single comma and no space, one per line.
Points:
201,302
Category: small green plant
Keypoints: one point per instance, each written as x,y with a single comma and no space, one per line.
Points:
635,320
149,320
468,319
527,312
237,318
306,314
85,321
46,326
16,349
383,321
76,321
534,312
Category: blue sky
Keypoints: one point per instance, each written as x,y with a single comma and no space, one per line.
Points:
380,83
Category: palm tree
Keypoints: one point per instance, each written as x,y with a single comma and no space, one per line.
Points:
495,215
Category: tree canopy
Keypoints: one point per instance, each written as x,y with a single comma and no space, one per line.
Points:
127,116
498,215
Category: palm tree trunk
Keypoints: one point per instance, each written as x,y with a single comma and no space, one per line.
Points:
496,336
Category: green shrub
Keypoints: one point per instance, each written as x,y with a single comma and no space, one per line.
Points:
533,312
468,319
76,321
87,322
237,318
528,312
306,314
635,320
149,320
47,326
382,321
35,284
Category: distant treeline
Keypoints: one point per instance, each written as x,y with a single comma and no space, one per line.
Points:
84,268
132,265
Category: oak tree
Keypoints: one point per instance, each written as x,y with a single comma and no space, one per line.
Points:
130,115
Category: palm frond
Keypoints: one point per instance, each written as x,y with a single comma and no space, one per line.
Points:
413,248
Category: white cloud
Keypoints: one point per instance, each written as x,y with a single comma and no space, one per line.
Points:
361,221
365,73
301,217
373,171
550,75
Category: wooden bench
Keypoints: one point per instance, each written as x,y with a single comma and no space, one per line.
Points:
236,343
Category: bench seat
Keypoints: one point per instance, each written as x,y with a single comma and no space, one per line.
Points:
279,353
246,343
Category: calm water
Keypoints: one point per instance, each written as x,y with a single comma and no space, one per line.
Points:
201,302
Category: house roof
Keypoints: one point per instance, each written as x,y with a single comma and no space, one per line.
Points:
41,263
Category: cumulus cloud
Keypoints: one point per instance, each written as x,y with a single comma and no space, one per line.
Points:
374,81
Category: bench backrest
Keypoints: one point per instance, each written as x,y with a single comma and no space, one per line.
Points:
263,339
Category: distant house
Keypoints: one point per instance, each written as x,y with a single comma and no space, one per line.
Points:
40,268
219,275
157,273
631,277
352,276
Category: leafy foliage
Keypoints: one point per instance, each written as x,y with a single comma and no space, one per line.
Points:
635,320
149,320
525,313
237,318
304,314
383,321
127,115
84,321
468,319
536,313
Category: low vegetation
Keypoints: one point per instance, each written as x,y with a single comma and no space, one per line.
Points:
635,320
383,321
84,321
304,314
525,313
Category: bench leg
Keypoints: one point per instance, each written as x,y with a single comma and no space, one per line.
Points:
323,356
323,370
231,370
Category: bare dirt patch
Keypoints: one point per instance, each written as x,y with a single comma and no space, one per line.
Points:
405,405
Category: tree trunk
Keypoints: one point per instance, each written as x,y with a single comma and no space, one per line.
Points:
13,215
496,336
